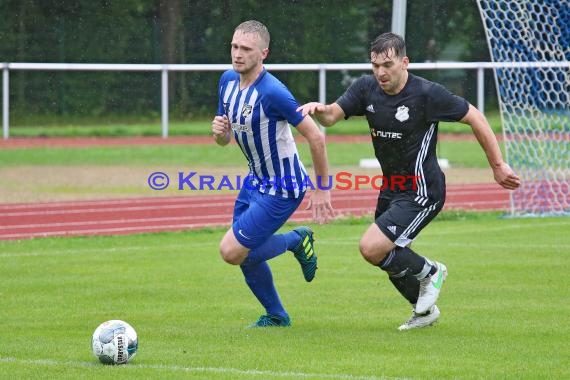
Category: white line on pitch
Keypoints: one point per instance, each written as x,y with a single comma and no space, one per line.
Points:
219,370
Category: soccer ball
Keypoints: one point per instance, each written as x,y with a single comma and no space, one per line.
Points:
114,342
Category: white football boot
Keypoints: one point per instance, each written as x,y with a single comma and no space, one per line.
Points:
417,321
430,288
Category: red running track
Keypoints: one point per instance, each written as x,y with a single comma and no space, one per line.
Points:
84,142
127,216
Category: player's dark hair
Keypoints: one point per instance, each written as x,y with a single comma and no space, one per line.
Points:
386,41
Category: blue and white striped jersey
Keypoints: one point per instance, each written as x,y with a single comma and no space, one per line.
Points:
260,116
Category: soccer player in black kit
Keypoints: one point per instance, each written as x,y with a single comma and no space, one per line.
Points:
403,111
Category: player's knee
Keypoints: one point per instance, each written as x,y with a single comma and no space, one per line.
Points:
367,251
230,255
371,252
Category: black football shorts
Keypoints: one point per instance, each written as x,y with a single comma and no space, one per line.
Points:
401,218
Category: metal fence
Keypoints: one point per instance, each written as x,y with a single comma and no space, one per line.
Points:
321,68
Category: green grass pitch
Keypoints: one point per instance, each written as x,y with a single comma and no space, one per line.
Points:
504,307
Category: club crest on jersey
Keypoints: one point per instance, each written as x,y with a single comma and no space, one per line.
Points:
402,113
246,110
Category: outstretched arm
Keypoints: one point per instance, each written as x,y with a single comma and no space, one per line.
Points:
326,114
320,202
502,172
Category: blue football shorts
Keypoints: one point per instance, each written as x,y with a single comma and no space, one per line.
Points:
257,216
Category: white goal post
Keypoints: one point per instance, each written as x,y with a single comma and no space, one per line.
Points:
534,99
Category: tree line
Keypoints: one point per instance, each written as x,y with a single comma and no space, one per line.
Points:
199,31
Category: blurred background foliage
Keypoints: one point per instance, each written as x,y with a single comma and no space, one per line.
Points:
200,31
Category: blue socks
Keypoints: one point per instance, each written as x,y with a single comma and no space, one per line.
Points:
260,280
274,246
258,274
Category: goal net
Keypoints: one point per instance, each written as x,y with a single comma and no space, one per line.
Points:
533,36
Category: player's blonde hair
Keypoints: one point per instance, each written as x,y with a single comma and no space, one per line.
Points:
255,27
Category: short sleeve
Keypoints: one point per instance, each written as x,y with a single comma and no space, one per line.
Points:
443,105
352,101
285,105
225,78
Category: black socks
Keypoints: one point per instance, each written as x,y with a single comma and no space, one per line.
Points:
405,268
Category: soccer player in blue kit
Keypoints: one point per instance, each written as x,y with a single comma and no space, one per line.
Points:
256,108
403,111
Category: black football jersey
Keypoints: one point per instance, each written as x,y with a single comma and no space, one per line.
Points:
403,128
